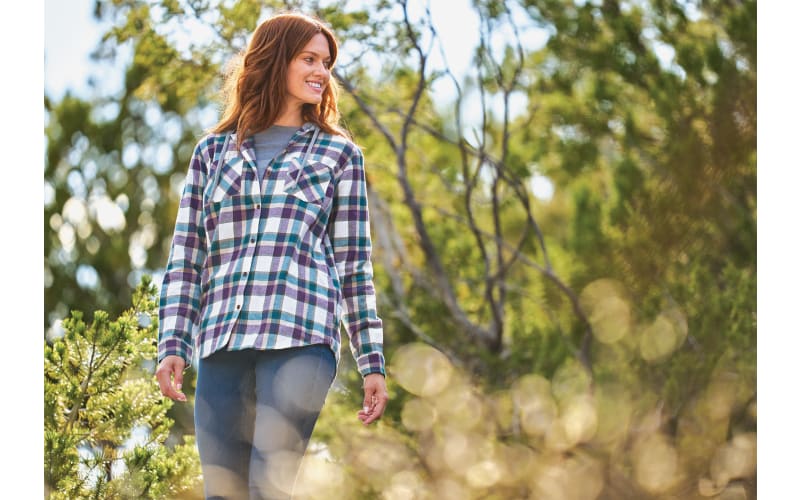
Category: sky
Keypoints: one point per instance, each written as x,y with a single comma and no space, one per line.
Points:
71,33
68,33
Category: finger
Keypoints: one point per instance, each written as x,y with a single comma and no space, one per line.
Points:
377,411
164,376
178,378
369,397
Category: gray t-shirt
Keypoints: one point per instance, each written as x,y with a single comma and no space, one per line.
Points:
268,143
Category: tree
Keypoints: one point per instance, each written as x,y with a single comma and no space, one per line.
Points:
106,423
626,299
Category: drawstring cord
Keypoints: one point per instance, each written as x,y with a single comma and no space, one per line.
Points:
309,146
219,162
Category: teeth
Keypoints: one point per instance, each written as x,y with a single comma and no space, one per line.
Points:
315,85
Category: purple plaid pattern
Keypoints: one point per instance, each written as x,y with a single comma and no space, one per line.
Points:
276,264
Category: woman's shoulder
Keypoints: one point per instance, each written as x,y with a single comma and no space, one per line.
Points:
340,144
210,143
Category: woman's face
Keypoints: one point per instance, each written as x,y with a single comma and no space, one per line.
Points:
308,74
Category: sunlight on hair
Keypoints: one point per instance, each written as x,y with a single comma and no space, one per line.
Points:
607,310
421,369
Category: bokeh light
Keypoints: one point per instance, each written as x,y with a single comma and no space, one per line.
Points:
421,369
607,309
418,415
735,459
661,338
320,479
536,406
655,463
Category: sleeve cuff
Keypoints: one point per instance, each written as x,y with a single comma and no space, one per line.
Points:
175,346
372,362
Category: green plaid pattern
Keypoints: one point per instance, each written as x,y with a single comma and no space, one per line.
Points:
276,264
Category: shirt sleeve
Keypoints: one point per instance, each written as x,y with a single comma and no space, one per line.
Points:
179,300
352,246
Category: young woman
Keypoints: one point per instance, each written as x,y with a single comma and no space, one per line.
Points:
270,256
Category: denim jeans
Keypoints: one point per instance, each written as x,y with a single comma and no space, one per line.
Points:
254,414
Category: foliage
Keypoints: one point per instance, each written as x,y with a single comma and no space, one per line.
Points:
561,437
605,335
106,422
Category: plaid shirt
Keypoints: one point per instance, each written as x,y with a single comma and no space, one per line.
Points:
276,264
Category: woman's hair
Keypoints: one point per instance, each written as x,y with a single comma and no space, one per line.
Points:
255,89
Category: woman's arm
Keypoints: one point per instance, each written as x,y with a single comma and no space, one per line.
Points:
352,246
179,301
350,236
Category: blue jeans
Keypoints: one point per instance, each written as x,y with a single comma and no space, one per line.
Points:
254,414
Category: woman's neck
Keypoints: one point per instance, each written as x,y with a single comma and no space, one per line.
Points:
291,117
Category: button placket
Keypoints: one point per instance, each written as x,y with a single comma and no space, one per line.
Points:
253,189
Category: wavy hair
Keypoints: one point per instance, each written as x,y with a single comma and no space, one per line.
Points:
255,88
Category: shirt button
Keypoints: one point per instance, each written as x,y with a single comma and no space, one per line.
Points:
258,206
238,306
252,240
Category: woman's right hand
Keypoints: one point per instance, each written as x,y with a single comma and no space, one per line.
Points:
170,377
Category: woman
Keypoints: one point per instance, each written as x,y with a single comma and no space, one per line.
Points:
270,255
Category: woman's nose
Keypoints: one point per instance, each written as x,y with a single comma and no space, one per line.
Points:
322,69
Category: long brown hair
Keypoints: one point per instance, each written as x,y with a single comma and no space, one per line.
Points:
255,89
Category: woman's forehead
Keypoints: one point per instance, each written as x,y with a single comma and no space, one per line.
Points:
318,45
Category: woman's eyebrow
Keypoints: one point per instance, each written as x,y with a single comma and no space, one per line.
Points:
316,54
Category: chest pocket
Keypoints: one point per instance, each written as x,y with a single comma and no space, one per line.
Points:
310,183
226,179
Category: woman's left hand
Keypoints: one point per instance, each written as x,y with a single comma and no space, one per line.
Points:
375,398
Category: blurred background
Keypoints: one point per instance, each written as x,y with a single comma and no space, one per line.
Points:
563,208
